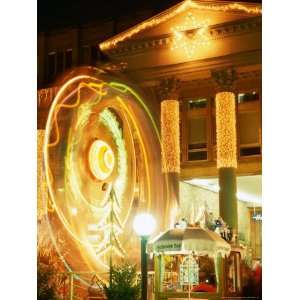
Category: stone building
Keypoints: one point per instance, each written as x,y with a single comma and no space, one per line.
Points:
192,59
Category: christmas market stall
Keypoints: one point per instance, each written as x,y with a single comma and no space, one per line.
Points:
187,263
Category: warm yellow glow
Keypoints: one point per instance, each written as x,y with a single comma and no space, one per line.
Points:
143,147
45,96
253,9
226,130
74,211
144,224
191,35
170,136
101,160
42,190
68,192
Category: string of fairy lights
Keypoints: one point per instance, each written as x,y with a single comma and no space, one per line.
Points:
190,35
170,136
226,130
167,15
226,133
42,189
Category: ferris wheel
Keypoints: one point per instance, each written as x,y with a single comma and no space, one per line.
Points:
102,166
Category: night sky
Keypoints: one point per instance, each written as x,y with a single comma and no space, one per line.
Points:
55,14
61,13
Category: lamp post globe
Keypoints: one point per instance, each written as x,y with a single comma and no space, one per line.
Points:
144,225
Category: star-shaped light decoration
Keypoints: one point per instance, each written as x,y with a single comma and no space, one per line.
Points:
191,35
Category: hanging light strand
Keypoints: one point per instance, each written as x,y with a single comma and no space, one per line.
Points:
167,15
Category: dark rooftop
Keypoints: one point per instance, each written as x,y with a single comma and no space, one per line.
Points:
57,14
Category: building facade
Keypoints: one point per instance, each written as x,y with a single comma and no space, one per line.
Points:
201,61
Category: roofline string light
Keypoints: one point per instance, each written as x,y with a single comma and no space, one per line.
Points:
173,11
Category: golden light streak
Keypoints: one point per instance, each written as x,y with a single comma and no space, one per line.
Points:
108,118
53,111
57,108
96,156
170,136
53,123
96,87
124,88
226,130
253,9
136,127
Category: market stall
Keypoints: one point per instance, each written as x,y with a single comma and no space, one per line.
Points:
187,263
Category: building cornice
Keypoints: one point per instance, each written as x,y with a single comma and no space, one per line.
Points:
197,69
215,32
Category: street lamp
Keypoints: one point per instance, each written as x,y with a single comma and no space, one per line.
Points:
144,225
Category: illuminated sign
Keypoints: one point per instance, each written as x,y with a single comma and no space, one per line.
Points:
168,246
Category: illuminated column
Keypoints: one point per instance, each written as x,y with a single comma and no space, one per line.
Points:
170,139
226,146
42,189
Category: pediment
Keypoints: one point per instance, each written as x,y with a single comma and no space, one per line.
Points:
214,12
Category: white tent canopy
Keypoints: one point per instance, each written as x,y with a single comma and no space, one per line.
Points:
191,239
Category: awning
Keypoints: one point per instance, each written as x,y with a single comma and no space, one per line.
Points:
191,239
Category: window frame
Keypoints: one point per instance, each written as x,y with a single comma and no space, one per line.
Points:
248,107
211,148
185,128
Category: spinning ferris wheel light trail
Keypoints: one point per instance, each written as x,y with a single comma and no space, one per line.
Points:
98,164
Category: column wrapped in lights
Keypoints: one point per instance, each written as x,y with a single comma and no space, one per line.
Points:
42,189
170,136
226,146
226,130
170,141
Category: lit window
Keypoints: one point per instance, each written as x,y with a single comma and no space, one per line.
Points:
248,97
197,129
249,124
199,103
